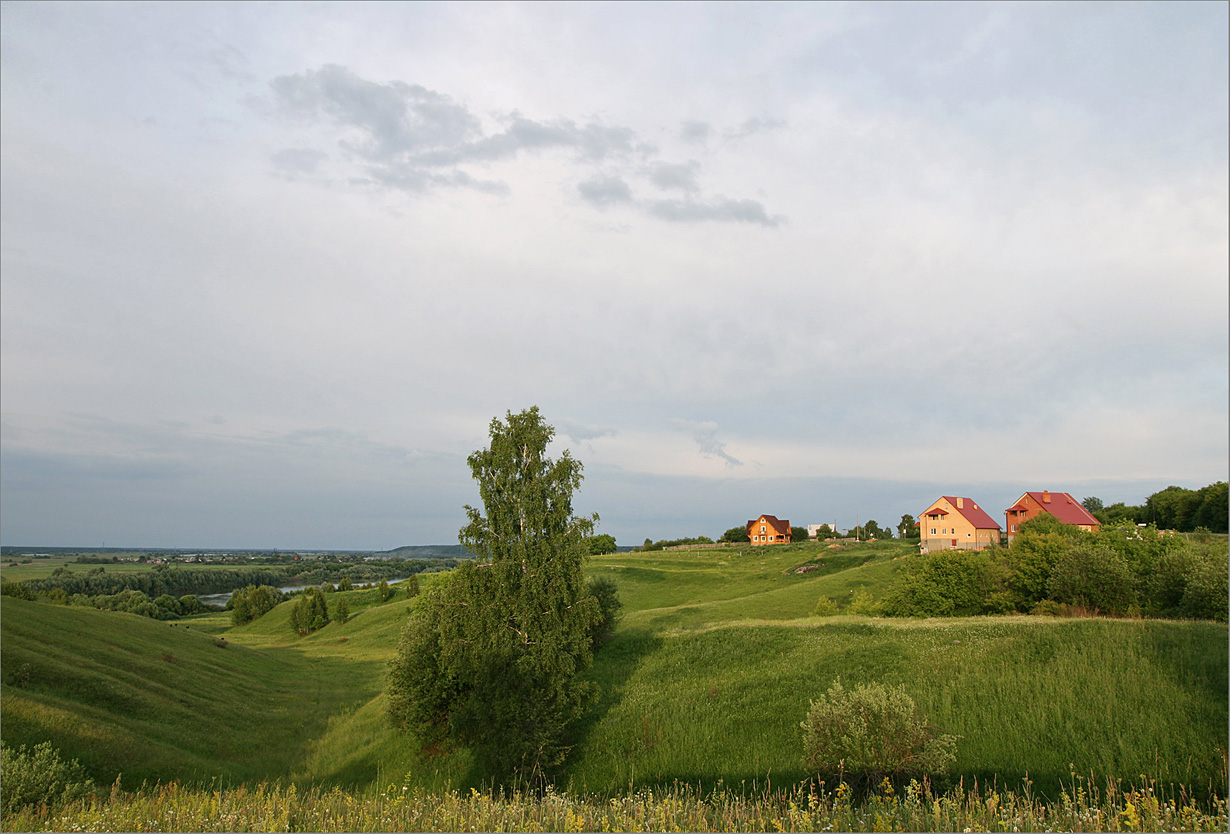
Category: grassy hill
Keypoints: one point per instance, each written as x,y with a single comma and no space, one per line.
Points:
707,678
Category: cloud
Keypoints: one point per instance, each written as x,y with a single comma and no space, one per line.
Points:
753,126
705,435
695,132
296,161
690,211
678,176
408,138
605,191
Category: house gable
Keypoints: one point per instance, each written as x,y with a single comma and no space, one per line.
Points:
768,529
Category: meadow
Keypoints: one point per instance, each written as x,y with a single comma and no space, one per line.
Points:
703,686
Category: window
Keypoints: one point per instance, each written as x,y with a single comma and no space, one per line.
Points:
933,531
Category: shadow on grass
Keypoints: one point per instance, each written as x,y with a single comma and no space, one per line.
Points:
613,665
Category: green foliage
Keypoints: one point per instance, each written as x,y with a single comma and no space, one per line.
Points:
499,650
251,602
949,583
825,607
1093,577
341,609
345,584
863,604
39,776
825,532
873,731
604,589
310,612
17,589
601,544
736,535
383,589
412,586
798,534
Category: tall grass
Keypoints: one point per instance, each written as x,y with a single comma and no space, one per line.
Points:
1083,806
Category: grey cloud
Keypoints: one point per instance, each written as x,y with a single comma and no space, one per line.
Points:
412,139
705,435
753,126
293,161
735,211
694,131
681,176
581,432
605,191
592,141
394,118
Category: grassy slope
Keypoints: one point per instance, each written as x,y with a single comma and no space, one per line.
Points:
128,694
707,678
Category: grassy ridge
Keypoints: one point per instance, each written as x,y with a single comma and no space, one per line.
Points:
126,694
706,680
1026,696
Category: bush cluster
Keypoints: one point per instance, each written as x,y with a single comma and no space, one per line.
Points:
872,732
251,602
39,776
1117,571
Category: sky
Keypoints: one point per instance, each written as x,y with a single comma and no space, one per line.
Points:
269,271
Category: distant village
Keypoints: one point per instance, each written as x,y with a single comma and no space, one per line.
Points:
950,522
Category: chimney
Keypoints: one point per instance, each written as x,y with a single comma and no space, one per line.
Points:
960,503
1046,497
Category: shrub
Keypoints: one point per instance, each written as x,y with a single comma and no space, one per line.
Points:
1207,592
825,607
16,589
1095,577
861,602
872,732
606,592
40,777
951,583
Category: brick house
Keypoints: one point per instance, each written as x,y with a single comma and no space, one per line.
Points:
956,523
768,530
1059,504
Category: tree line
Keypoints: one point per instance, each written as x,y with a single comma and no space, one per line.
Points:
177,581
1173,508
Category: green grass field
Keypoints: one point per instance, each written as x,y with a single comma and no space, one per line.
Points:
705,682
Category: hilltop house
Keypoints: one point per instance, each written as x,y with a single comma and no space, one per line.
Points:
956,523
1059,504
768,530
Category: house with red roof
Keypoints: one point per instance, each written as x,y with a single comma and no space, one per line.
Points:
1059,504
953,522
768,530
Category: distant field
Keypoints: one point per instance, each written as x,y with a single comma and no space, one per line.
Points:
706,680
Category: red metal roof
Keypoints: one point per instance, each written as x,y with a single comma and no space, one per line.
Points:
1064,507
972,513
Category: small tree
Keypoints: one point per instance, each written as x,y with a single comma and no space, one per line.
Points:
871,732
341,611
411,585
798,534
736,535
601,544
383,589
311,612
492,660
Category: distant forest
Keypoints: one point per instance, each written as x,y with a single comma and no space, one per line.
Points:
1173,508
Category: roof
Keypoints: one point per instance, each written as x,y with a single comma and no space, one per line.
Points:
1064,507
769,519
968,509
